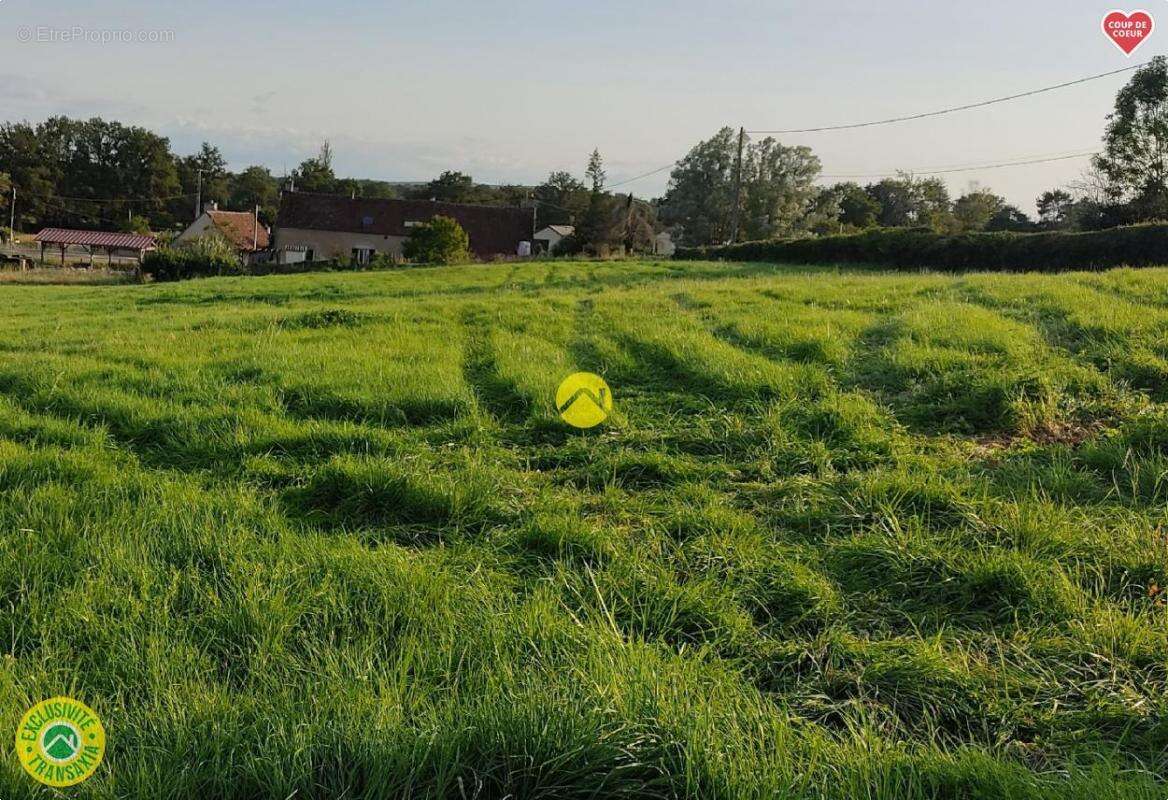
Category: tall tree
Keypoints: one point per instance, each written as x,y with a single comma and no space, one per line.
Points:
1054,208
595,230
700,197
1135,156
316,174
974,209
779,186
255,186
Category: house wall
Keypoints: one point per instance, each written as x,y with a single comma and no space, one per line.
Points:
326,245
551,240
197,228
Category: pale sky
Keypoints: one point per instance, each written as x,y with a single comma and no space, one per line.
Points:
511,91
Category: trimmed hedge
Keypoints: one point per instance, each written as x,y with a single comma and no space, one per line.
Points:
178,264
1134,246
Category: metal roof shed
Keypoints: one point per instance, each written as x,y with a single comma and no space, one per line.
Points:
92,241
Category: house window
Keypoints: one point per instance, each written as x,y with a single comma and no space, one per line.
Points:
362,255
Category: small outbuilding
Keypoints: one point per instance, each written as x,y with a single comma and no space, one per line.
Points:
548,238
127,244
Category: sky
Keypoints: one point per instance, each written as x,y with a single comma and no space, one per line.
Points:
508,92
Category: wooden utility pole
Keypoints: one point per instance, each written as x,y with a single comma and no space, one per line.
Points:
199,195
737,187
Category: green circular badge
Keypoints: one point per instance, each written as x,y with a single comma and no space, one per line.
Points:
60,742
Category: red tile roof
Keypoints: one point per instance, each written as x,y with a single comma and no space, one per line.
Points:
120,241
239,228
493,230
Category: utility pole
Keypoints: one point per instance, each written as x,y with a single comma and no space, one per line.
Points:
199,195
255,237
737,186
12,215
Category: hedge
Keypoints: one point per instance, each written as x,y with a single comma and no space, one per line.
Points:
178,264
1134,246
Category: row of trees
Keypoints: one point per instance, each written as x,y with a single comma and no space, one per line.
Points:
780,195
99,174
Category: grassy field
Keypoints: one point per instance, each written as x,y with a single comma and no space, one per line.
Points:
849,535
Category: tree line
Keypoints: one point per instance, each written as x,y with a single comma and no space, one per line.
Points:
103,174
780,195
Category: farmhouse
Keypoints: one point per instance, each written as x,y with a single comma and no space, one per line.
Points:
318,227
240,229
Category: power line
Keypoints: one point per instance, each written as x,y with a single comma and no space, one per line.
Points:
910,117
113,199
972,168
954,109
670,165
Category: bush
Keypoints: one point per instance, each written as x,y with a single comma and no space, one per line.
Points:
440,241
176,264
1134,246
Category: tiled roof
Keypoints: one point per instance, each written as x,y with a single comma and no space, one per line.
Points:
493,230
120,241
239,228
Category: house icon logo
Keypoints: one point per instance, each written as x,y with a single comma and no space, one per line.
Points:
60,742
584,400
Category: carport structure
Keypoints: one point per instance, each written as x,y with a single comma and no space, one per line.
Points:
93,241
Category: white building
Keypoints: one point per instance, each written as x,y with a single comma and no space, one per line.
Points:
547,239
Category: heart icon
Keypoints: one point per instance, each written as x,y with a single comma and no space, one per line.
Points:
1128,31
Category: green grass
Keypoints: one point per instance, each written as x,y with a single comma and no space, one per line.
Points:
848,535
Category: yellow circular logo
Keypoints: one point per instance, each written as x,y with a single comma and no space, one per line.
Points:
60,742
584,400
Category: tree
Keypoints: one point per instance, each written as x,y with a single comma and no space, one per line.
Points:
255,186
1054,208
778,189
595,231
561,200
1010,218
857,209
440,241
595,172
906,200
316,174
451,187
210,161
1135,156
974,209
700,195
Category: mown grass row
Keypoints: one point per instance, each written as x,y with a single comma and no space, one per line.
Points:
848,535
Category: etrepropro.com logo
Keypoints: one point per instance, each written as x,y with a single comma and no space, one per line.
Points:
60,742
